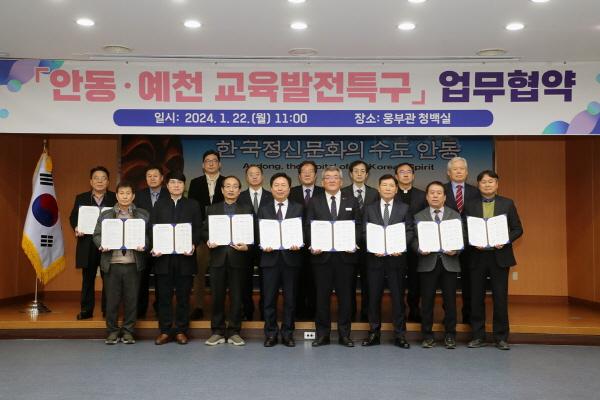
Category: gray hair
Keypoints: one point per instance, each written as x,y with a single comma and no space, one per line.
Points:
455,159
332,168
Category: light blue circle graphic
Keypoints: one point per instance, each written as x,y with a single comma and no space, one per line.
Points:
593,108
3,113
14,85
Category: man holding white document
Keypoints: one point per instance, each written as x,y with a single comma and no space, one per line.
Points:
176,224
281,238
493,224
439,240
120,235
229,234
333,229
388,227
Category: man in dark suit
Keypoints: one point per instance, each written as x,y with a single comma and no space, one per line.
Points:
458,193
303,193
387,211
206,190
87,255
145,199
255,196
228,268
280,267
365,195
175,272
333,270
437,268
494,262
415,199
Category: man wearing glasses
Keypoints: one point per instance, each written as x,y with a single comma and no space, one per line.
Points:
206,190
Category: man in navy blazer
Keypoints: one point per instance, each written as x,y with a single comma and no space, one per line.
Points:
280,268
365,195
458,193
387,211
145,199
333,270
87,255
256,197
494,262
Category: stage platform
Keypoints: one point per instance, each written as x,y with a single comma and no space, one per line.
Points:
533,320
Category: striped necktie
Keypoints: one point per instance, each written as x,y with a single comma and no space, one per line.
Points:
459,198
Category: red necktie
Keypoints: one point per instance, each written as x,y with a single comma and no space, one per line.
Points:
459,198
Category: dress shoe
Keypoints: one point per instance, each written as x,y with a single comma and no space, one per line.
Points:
162,339
181,338
372,340
84,315
428,343
197,314
270,341
502,345
288,342
450,342
346,341
401,342
320,341
476,343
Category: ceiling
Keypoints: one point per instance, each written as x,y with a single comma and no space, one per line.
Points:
559,30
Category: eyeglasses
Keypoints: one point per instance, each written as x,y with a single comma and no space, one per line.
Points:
211,161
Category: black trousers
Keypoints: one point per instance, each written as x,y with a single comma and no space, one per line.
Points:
306,298
284,277
122,285
144,293
247,300
222,278
166,284
394,274
466,285
362,271
336,274
499,282
429,283
413,292
88,293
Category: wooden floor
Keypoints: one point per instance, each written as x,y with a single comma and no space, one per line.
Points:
539,321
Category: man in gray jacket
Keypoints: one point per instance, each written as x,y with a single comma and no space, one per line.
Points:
121,268
437,268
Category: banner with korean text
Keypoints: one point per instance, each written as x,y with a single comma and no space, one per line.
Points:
291,98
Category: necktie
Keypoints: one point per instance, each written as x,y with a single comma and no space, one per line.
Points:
386,214
333,208
255,202
279,212
306,196
459,198
437,216
154,197
359,197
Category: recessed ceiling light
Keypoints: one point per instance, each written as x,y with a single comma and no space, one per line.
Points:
297,1
85,22
540,1
417,1
514,26
298,25
116,49
491,52
192,24
302,51
406,26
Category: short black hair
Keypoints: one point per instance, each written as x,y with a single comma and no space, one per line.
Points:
178,175
412,167
125,184
386,177
307,162
488,172
99,168
209,152
438,183
281,175
254,165
231,177
357,162
153,166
